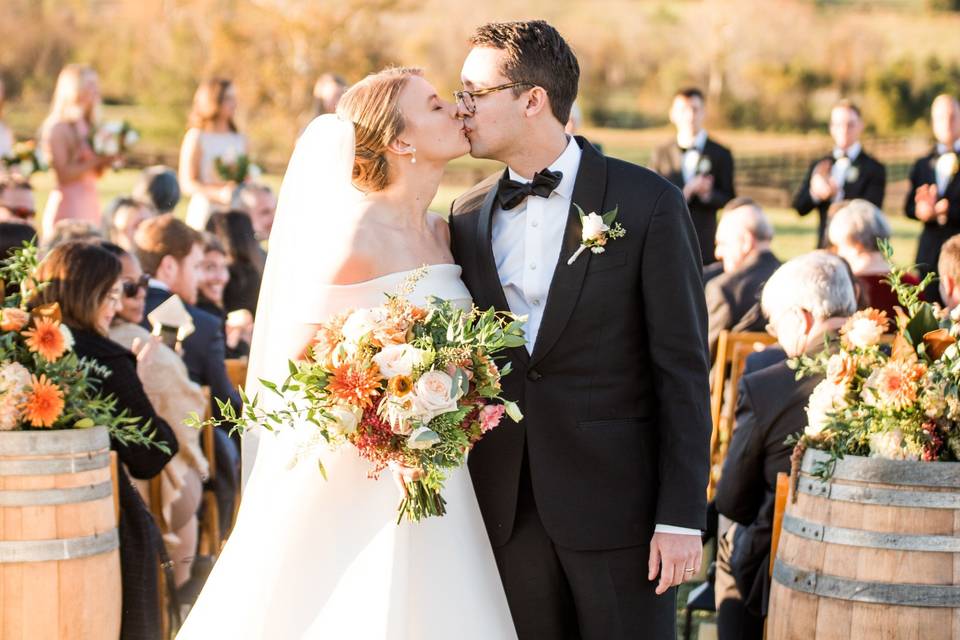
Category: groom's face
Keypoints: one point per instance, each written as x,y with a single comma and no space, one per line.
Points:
495,124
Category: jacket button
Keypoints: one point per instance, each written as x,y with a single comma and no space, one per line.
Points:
534,375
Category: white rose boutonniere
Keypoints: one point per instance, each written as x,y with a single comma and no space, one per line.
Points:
704,166
853,174
597,230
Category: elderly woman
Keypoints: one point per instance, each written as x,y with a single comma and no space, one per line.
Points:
855,229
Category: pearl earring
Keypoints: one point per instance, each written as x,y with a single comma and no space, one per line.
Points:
413,160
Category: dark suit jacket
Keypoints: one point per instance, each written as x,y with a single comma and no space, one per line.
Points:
934,234
769,409
733,299
869,185
666,161
617,422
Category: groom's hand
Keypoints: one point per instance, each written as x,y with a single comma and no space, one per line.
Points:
676,557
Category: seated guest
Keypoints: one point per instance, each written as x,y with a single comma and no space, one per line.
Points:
171,253
174,396
949,269
121,219
847,173
84,278
16,200
69,230
806,299
855,229
214,275
13,235
743,248
258,202
245,259
158,186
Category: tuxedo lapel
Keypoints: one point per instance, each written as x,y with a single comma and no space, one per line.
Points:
588,192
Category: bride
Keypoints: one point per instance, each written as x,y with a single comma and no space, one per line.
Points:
315,558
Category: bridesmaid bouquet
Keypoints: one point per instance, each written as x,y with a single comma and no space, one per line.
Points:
113,138
411,388
25,159
232,167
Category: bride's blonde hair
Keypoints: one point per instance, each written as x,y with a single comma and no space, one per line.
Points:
373,106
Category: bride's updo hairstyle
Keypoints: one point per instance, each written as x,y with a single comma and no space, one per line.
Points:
373,105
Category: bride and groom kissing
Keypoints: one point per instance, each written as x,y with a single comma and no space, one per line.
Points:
576,522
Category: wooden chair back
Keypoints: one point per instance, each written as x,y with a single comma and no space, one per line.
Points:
237,371
209,543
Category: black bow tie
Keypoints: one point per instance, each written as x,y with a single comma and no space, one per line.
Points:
510,193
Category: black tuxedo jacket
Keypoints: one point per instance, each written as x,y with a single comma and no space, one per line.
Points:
870,185
733,299
934,234
615,393
770,408
666,161
203,350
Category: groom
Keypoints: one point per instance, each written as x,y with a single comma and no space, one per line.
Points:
595,501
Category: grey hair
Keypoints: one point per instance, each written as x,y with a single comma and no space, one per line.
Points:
816,282
237,203
860,223
749,216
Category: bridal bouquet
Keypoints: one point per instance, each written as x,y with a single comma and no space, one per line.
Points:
113,138
233,167
898,401
43,383
411,388
25,159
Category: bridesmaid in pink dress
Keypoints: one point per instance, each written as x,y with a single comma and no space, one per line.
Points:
64,139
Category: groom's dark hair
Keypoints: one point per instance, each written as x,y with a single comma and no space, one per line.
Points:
538,54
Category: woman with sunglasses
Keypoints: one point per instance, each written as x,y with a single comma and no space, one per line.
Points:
174,396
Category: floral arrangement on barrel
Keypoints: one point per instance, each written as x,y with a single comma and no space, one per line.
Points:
897,401
43,383
411,388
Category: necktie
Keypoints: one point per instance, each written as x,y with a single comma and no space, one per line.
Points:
510,193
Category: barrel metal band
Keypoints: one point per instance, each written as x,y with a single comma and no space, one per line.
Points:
59,549
878,496
53,466
872,539
896,472
40,497
827,586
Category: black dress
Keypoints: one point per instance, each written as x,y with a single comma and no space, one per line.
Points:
140,541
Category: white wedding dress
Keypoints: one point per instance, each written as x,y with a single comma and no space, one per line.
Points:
315,558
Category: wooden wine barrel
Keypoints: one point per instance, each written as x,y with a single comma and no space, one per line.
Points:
59,557
872,553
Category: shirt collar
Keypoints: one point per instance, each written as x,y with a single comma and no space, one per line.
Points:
852,151
157,284
568,163
699,141
942,148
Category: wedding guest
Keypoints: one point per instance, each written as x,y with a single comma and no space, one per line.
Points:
158,186
212,134
327,92
16,200
807,298
171,253
84,278
67,230
245,258
13,235
847,173
121,219
855,229
575,121
6,134
949,269
64,140
174,396
258,202
697,164
743,248
214,275
934,196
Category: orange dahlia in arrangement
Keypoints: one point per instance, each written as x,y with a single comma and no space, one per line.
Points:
352,383
44,402
46,339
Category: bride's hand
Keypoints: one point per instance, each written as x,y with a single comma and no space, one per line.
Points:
403,474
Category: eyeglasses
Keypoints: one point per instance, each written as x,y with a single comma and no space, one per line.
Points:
468,98
131,287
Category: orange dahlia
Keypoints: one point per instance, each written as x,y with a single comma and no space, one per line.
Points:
354,384
46,339
44,402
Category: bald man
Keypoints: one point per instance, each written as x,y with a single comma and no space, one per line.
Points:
934,197
743,248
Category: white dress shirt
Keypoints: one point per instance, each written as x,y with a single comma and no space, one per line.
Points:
691,157
842,161
945,166
526,247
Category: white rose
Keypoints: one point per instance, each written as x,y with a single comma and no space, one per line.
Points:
890,445
593,227
432,395
111,147
344,419
422,438
827,397
229,157
362,322
398,360
864,333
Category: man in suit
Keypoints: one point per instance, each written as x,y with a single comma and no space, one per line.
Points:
601,488
171,252
949,269
807,298
698,165
934,196
743,248
847,173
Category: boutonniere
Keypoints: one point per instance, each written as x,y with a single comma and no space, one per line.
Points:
597,230
704,166
852,174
